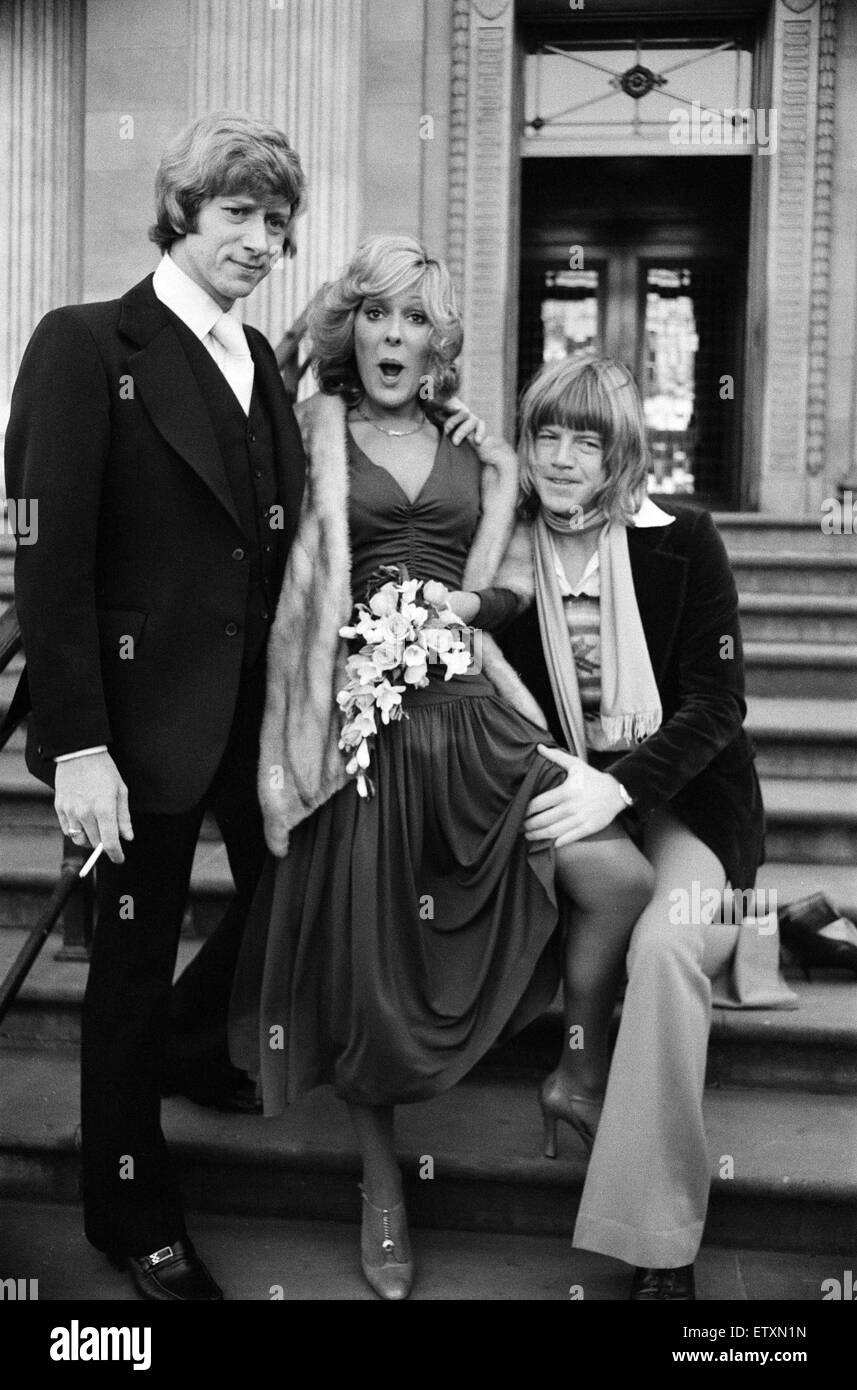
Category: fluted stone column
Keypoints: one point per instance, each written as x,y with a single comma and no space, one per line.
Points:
483,200
41,161
797,256
295,63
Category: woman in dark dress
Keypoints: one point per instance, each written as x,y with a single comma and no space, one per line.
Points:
396,938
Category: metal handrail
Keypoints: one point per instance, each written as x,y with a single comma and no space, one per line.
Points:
74,890
10,645
10,635
73,878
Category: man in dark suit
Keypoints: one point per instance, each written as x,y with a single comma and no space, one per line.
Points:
155,434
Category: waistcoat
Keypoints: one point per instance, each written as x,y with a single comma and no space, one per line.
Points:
246,445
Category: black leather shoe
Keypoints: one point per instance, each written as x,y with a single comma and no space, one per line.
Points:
664,1285
172,1274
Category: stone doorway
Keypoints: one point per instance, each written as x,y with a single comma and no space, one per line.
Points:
646,259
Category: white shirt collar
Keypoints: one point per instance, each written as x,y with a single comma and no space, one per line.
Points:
650,514
188,300
589,583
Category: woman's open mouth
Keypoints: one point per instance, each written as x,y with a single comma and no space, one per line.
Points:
390,372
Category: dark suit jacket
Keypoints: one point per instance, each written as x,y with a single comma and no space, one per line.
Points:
701,759
138,537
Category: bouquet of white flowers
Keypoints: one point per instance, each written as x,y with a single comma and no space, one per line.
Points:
405,626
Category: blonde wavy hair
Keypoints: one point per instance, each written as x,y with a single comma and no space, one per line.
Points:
593,394
383,266
223,155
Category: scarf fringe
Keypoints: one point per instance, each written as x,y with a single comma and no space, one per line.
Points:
631,728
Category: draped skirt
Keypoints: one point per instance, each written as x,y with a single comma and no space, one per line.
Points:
403,935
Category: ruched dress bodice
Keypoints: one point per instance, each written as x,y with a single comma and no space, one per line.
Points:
431,535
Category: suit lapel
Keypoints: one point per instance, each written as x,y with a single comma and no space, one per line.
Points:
659,578
288,444
169,390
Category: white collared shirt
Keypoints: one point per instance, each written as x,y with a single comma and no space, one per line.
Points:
199,312
588,585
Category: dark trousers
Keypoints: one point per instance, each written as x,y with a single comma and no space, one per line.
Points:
135,1034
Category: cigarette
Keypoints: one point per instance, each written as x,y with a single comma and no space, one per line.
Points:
99,849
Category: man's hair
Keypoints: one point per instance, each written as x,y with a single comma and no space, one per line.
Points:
383,266
223,154
598,395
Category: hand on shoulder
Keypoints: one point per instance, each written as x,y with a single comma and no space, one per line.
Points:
492,450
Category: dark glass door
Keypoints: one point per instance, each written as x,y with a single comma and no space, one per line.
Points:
645,259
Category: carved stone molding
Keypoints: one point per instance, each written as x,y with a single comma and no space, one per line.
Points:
490,269
458,134
298,65
790,257
822,225
491,9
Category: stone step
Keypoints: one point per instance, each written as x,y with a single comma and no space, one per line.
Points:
813,1047
804,618
806,670
30,863
784,572
299,1261
791,882
794,1159
811,820
794,738
784,669
30,866
804,738
743,531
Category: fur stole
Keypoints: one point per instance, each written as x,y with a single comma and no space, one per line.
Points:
300,764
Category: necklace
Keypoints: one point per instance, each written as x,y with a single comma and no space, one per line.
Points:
394,434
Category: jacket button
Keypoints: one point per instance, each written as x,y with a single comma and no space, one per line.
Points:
252,438
238,554
257,473
231,629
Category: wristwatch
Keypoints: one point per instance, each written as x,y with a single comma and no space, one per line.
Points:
624,793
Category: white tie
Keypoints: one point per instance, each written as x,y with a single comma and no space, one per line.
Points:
237,364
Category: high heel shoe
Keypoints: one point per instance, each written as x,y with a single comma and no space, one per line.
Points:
815,934
385,1250
557,1104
